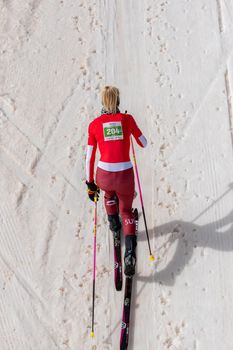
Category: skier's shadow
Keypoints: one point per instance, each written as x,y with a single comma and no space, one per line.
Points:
187,237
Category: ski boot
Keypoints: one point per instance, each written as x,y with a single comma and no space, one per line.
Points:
130,255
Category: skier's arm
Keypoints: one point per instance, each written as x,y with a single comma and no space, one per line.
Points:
139,137
90,157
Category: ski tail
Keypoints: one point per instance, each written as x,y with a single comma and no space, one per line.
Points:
124,339
117,261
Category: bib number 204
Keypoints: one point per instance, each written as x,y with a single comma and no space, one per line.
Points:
113,131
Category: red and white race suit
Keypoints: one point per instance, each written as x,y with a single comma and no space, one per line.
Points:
114,175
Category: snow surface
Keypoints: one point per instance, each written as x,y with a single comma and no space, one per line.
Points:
172,61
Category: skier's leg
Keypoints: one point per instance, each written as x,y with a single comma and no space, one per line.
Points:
105,180
125,193
129,232
124,188
125,208
111,205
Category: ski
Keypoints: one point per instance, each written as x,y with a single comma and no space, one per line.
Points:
124,340
126,314
117,260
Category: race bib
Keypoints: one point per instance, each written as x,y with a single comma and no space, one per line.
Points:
113,131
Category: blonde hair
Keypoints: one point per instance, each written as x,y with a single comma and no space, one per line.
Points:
110,98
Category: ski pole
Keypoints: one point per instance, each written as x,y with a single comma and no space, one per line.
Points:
151,257
94,269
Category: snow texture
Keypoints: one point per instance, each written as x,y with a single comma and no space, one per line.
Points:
173,63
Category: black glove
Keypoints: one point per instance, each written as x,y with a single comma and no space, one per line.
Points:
92,190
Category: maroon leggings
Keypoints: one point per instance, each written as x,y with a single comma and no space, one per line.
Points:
120,184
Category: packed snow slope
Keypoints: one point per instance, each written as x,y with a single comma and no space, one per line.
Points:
172,61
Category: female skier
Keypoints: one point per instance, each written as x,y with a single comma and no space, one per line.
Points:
111,132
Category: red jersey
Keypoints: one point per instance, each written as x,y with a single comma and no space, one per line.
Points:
112,134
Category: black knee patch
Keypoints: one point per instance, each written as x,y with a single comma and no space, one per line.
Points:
114,222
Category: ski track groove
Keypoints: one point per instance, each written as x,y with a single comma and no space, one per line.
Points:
229,103
218,240
104,46
12,241
220,16
20,257
52,231
59,117
40,151
22,278
33,295
7,115
189,123
11,324
29,18
6,325
27,181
